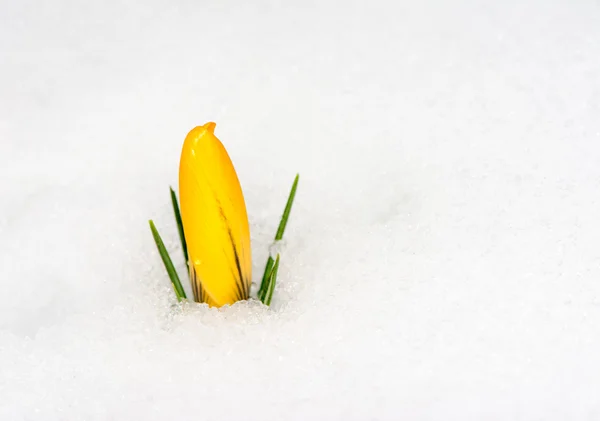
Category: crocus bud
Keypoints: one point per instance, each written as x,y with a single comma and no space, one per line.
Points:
215,221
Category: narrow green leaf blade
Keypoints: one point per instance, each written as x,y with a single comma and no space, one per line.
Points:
272,281
167,262
179,225
278,236
287,210
265,279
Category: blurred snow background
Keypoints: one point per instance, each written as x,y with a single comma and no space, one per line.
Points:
442,259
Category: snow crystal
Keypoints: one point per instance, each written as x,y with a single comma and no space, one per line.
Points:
277,247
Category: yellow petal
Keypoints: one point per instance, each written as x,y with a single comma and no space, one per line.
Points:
215,221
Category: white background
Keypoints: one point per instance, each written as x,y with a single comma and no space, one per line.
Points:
442,258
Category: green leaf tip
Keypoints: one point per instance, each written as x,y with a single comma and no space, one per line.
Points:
272,280
179,292
265,279
287,209
179,225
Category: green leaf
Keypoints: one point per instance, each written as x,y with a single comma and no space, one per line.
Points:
167,262
278,236
272,281
179,226
265,279
287,210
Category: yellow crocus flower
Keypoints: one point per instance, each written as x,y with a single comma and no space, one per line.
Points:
215,221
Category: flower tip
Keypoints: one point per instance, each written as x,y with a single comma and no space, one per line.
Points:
210,127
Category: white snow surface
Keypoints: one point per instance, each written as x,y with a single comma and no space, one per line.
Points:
442,260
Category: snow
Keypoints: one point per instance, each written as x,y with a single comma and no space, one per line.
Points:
441,260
